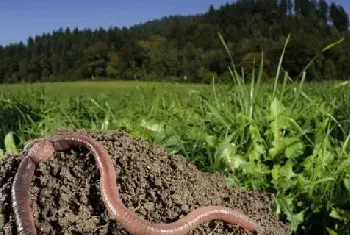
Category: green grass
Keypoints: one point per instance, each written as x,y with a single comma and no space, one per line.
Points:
89,87
289,138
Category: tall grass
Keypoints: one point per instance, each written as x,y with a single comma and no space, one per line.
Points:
289,137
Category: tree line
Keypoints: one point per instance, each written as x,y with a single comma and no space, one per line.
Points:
187,48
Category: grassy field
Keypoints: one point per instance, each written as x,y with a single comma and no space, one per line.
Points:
292,139
90,87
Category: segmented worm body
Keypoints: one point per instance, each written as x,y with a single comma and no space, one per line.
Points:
43,150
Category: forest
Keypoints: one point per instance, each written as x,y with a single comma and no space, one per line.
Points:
188,48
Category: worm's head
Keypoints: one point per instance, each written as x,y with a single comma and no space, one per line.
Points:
41,151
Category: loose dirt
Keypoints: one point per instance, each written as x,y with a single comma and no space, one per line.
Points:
158,186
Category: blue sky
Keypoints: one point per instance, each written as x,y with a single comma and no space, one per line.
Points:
22,18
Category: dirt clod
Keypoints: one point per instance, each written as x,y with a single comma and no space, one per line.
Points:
158,186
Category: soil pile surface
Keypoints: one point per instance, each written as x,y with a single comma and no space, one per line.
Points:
160,187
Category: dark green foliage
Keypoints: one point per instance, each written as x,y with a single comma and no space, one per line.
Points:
178,47
329,71
339,17
323,11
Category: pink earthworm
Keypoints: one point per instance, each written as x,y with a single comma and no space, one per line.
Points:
43,150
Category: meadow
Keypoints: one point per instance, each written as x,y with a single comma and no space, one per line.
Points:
286,137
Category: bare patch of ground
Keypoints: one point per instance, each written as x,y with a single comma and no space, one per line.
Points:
159,187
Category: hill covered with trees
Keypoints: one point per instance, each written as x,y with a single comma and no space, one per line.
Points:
175,47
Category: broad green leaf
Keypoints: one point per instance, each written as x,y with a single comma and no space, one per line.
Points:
277,124
157,127
257,151
294,147
282,176
286,204
340,214
288,170
257,148
225,150
276,172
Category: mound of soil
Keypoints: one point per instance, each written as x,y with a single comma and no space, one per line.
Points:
158,186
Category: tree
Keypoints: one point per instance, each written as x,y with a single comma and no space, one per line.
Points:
112,69
96,60
323,11
284,7
23,69
175,46
339,17
211,11
306,8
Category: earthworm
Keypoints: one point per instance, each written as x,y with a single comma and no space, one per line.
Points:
43,150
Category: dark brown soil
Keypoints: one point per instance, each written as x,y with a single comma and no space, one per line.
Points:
159,187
